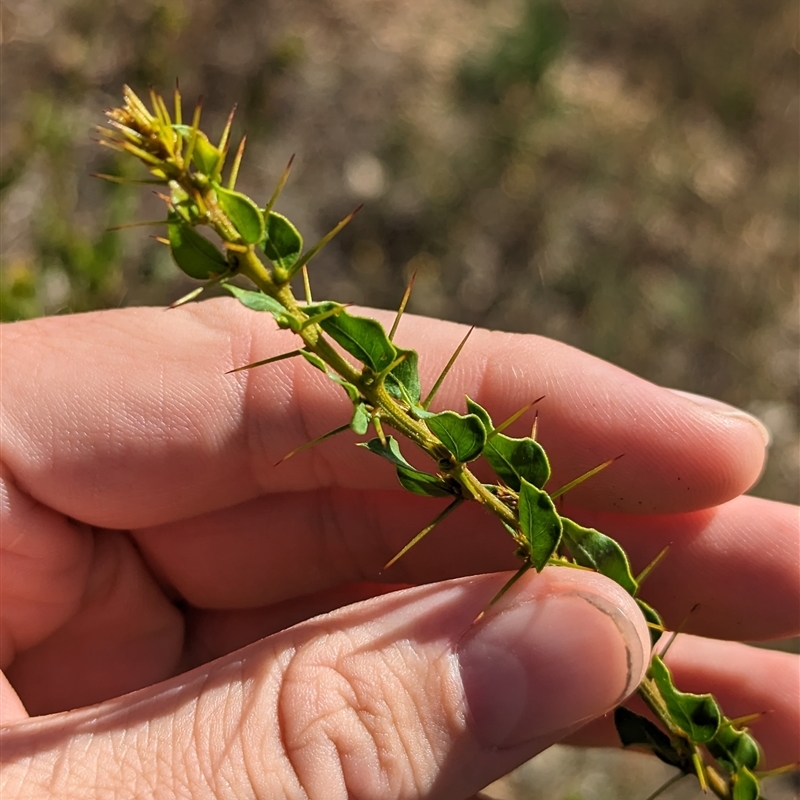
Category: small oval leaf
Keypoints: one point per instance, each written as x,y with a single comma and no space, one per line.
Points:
243,213
403,381
205,155
282,242
361,418
540,522
515,459
192,252
464,436
423,483
362,337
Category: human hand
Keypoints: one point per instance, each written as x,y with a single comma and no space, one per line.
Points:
146,532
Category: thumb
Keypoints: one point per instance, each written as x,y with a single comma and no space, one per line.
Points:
402,696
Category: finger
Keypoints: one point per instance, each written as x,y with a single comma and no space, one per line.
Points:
729,572
132,421
745,680
123,635
399,697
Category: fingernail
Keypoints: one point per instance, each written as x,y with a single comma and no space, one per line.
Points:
719,407
545,666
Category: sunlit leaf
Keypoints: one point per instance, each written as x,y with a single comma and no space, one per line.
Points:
205,155
351,389
192,252
258,301
245,215
282,242
733,748
361,418
480,412
405,374
362,337
515,459
390,451
540,523
590,548
745,785
463,436
698,715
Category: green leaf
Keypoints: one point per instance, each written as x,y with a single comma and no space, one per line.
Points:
390,451
734,749
314,359
245,215
258,301
410,478
515,459
192,252
205,155
481,413
698,715
652,616
464,437
590,548
361,419
405,375
282,242
362,337
745,785
351,389
539,521
634,729
423,483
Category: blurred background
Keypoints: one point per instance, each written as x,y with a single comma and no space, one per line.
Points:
622,176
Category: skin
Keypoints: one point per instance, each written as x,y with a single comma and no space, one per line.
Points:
229,615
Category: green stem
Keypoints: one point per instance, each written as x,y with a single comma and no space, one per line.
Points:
392,413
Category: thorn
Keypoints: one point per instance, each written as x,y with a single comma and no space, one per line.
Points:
271,360
306,257
186,298
319,439
651,566
376,421
198,109
535,426
424,532
679,629
161,239
443,375
306,285
508,584
226,131
581,478
403,304
514,417
178,104
119,179
279,188
237,161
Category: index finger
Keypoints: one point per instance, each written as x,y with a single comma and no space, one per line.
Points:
126,418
